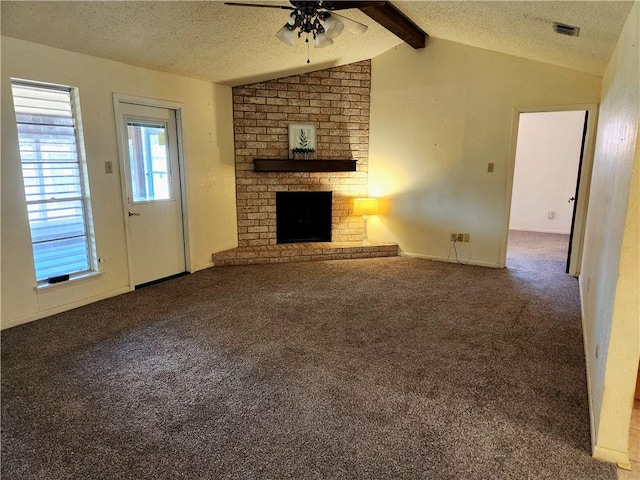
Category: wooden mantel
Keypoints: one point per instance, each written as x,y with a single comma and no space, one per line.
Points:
287,165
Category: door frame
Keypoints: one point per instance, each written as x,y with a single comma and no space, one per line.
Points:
118,100
583,183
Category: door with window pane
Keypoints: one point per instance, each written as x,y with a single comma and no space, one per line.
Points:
154,214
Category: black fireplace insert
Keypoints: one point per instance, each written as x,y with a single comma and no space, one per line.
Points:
303,217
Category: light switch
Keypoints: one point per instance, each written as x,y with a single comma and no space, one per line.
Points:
108,167
490,167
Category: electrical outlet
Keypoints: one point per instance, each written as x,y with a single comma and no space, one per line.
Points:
490,167
454,237
460,237
465,237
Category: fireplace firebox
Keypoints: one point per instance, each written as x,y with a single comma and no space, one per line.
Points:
303,217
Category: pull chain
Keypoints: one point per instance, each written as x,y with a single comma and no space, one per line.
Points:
308,51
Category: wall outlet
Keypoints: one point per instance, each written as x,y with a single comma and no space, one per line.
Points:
460,237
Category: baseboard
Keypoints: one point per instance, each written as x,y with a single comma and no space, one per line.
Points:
40,314
539,230
621,459
587,362
436,258
202,267
585,341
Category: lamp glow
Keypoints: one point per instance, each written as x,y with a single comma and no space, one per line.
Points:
365,206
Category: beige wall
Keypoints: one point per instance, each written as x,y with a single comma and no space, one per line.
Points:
546,170
610,283
208,158
438,117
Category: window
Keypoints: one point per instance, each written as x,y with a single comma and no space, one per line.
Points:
54,179
149,159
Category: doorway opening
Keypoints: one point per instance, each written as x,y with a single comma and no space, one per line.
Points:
547,182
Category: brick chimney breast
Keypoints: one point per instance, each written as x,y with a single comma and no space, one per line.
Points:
336,101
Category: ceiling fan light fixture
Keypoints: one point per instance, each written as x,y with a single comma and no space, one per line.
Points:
286,34
322,40
315,19
332,26
350,25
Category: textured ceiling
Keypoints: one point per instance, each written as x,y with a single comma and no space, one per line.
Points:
235,45
525,29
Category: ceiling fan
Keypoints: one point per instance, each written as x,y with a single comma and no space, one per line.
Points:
316,19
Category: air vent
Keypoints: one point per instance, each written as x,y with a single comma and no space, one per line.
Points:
564,29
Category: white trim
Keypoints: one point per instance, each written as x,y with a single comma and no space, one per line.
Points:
62,308
621,459
437,258
585,177
538,230
145,101
119,119
44,287
176,107
585,341
182,161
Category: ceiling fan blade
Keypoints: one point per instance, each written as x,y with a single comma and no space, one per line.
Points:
236,4
350,26
338,5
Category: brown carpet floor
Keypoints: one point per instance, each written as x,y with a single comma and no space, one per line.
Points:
391,368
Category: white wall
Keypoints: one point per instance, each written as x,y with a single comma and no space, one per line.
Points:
208,159
546,171
438,117
610,279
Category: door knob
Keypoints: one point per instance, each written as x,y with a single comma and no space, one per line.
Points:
572,199
133,214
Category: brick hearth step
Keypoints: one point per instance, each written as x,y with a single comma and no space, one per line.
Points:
303,252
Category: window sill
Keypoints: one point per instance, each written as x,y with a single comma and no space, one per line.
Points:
44,287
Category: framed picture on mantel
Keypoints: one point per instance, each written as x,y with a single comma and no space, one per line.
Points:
302,141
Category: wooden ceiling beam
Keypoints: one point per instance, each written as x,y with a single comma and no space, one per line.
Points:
397,23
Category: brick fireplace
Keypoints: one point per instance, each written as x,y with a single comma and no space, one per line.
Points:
336,101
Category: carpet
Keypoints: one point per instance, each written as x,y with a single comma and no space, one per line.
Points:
391,368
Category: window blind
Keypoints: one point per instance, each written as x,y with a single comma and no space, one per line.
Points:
53,180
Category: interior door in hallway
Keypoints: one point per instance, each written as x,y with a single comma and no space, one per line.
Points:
547,176
154,212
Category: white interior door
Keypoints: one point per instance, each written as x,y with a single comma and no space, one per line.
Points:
154,215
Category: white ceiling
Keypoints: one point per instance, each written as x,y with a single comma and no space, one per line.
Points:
236,45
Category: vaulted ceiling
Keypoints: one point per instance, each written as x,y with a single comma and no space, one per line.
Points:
236,45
